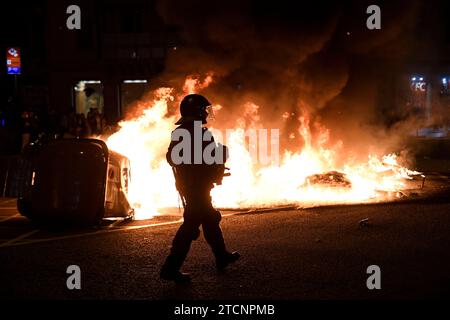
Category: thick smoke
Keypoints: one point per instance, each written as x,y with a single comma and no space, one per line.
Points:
314,59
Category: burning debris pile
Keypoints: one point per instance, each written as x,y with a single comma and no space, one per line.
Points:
332,179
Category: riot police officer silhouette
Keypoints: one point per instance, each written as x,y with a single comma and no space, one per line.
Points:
194,181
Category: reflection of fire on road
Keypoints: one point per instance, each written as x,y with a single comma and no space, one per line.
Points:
311,175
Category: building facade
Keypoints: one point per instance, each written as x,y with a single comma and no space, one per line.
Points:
120,46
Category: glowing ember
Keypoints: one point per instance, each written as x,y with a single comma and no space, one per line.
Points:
144,140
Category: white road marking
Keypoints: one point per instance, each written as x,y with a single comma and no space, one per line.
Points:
109,229
80,235
9,218
7,201
13,241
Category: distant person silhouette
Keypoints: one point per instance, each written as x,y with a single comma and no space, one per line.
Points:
93,100
194,182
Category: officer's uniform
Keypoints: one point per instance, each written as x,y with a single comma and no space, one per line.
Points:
195,181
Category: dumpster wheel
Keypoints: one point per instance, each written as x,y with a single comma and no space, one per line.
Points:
131,216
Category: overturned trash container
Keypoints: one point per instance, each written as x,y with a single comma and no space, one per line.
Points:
77,181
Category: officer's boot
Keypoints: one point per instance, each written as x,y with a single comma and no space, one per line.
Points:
171,270
224,259
214,237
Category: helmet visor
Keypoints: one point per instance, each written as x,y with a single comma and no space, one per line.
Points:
211,115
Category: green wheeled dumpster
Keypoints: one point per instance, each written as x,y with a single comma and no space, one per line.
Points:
77,181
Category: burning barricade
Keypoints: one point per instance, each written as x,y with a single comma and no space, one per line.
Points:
315,174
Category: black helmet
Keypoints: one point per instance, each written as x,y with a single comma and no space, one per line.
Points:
192,107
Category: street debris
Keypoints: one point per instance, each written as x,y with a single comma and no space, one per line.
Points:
332,179
364,223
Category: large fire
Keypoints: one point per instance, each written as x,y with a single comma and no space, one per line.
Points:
307,177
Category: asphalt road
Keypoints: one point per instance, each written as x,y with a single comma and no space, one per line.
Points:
316,253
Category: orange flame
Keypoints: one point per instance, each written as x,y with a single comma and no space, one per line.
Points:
144,140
